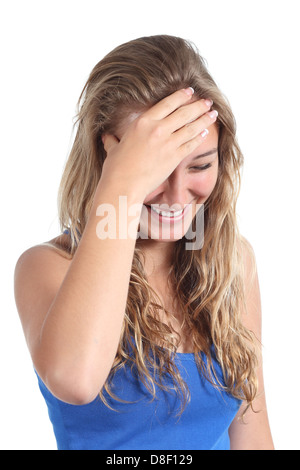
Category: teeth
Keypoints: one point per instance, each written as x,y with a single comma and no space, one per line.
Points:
167,214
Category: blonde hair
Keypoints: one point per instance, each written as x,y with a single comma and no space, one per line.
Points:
209,282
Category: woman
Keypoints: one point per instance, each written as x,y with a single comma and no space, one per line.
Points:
139,338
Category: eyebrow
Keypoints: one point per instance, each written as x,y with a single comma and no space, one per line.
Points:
210,152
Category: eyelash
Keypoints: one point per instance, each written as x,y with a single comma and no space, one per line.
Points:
200,168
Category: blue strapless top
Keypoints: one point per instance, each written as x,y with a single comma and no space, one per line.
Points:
147,424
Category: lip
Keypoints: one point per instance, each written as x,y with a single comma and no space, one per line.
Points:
169,219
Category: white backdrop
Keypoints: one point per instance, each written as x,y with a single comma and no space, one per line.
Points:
48,49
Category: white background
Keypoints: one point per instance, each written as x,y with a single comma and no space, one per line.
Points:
48,49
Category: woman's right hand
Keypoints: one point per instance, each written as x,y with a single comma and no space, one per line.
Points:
155,143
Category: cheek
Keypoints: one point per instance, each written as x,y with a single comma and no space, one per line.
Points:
204,183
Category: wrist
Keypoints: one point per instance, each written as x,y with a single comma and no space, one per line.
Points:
113,190
115,212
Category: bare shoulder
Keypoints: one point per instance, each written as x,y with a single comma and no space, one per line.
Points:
59,245
247,256
39,273
247,250
51,256
252,314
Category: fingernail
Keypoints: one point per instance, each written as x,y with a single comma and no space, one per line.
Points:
209,103
204,133
213,114
189,91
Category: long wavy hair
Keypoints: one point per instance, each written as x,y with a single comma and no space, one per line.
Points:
208,282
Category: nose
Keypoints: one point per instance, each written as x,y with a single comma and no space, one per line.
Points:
175,191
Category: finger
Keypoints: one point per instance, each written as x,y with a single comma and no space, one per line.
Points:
169,104
186,149
194,129
187,114
109,141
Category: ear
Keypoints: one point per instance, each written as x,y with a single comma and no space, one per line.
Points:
109,141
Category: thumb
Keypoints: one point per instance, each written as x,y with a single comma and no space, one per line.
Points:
109,141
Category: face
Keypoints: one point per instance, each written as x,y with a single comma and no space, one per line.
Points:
188,187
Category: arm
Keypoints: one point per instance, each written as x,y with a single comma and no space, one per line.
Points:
72,312
254,433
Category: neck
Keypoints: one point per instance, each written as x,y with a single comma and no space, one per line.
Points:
158,257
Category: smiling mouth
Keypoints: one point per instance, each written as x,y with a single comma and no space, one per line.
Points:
167,215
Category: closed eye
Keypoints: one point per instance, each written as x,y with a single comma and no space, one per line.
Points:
200,168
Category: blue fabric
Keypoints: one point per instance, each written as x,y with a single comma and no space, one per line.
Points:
147,424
